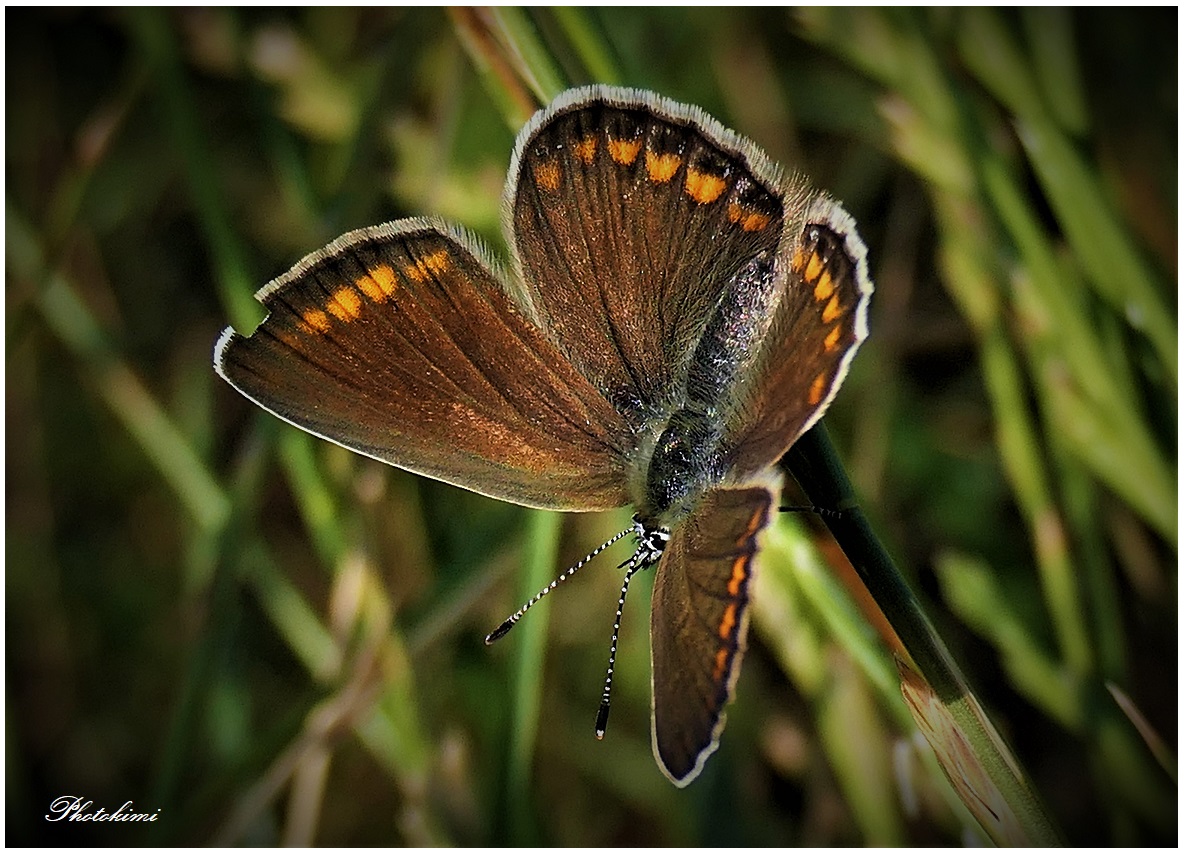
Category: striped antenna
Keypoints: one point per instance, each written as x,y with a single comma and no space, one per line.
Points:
604,706
515,617
815,510
648,552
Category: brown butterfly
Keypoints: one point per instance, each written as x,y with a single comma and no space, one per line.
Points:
677,311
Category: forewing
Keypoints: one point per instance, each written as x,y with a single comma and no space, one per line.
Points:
699,622
627,214
400,343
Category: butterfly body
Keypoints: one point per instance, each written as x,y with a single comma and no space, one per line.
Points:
677,311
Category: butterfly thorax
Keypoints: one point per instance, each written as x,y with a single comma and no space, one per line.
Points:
685,460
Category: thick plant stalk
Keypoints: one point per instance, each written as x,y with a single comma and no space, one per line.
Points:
973,755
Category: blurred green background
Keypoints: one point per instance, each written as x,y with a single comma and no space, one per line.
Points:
270,640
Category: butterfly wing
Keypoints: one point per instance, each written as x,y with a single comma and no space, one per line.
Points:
400,343
627,213
699,622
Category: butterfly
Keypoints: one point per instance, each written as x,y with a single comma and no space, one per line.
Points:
675,313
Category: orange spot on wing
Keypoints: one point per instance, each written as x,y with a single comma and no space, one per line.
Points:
726,626
824,287
756,521
315,321
750,219
704,187
547,175
754,222
661,168
738,573
422,269
378,284
832,339
753,526
813,267
832,310
817,390
586,149
720,663
345,304
624,151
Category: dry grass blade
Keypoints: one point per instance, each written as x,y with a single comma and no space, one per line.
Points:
959,761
